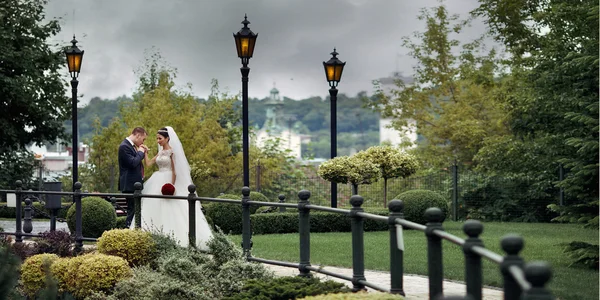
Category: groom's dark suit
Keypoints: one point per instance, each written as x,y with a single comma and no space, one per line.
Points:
130,172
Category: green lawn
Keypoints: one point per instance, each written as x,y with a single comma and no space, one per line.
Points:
542,242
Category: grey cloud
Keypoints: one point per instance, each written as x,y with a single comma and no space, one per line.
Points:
196,38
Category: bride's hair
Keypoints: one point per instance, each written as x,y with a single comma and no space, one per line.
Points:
164,132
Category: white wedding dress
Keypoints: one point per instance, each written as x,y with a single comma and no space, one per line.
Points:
170,215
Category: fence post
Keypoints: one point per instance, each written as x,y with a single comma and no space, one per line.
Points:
396,248
281,200
27,226
191,215
137,203
78,224
246,230
538,274
435,268
358,244
18,207
512,245
454,192
304,228
473,272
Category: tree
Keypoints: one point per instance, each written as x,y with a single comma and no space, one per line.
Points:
350,169
392,161
34,105
554,50
451,102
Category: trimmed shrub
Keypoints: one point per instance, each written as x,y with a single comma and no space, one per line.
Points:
226,216
353,296
59,242
121,222
97,216
417,201
287,288
135,246
270,223
9,273
33,273
99,273
89,274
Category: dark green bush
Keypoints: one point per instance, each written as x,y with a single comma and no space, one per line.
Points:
97,216
270,223
121,224
10,212
417,201
228,216
583,254
284,288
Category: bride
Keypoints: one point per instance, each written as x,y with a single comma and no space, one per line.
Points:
171,215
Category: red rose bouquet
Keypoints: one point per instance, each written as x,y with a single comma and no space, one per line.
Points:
167,189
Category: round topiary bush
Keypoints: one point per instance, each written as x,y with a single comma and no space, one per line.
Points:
97,216
417,201
135,246
91,273
33,272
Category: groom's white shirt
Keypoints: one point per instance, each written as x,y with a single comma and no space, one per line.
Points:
127,138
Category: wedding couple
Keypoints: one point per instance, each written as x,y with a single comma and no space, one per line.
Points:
168,215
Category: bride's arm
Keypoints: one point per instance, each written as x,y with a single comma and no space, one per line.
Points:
173,168
149,162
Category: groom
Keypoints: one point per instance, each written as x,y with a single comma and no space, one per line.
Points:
131,153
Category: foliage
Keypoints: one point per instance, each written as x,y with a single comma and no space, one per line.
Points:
9,273
33,273
585,213
451,100
417,201
223,249
148,284
121,222
17,165
227,216
287,288
583,254
392,161
58,242
34,102
97,216
344,169
135,246
275,223
90,273
353,296
553,107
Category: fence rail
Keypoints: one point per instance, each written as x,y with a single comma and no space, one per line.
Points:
521,281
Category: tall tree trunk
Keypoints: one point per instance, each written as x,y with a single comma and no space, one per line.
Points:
354,189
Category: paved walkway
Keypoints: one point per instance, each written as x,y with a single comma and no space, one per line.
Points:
415,286
38,225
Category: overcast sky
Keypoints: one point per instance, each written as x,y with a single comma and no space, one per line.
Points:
195,36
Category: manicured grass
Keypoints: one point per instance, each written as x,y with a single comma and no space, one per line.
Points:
542,242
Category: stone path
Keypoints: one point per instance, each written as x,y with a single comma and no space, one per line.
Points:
38,226
415,286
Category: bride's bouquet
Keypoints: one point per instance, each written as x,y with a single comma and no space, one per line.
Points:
168,189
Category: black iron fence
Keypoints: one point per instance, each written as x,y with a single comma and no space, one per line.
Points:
520,280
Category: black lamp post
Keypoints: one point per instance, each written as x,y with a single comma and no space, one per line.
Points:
74,58
244,43
333,71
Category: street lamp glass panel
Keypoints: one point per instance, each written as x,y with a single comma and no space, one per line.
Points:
74,61
244,41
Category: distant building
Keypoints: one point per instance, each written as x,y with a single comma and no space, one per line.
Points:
279,125
386,132
57,159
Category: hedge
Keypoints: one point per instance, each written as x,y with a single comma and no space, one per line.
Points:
271,223
10,212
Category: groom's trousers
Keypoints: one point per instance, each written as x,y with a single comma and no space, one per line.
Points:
130,209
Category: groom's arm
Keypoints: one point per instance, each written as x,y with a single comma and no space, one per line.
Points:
130,157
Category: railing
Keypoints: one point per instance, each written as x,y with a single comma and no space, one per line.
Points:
521,281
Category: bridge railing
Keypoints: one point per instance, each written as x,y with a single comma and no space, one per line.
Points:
520,280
